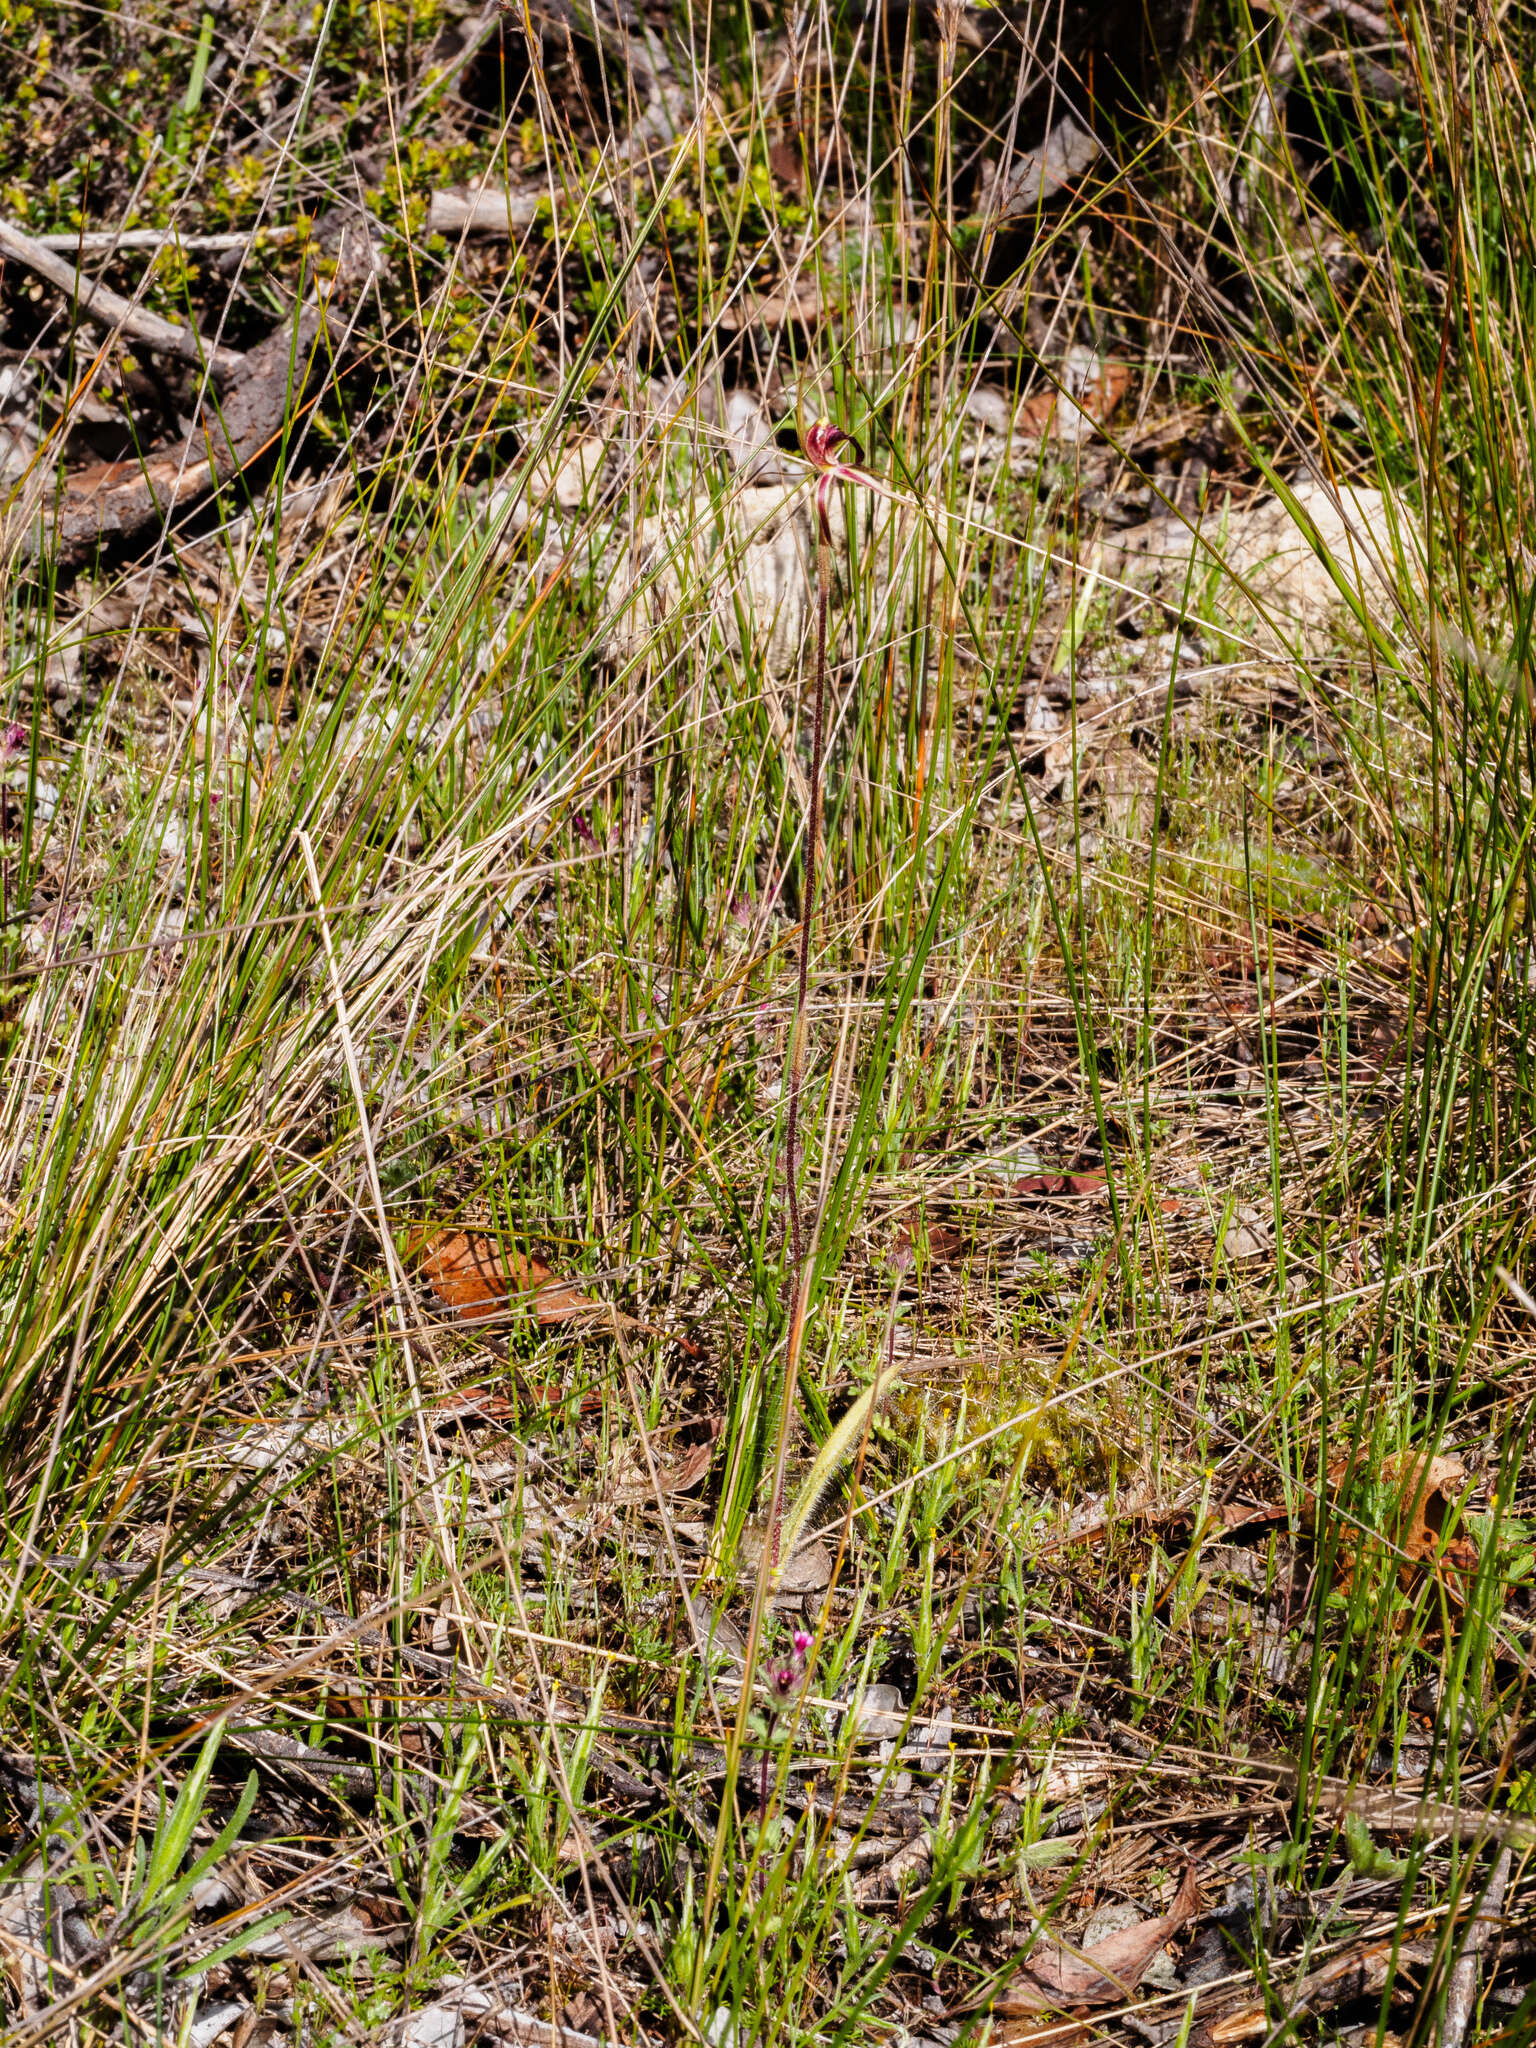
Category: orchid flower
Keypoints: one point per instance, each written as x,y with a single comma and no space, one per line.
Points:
785,1677
782,1681
821,443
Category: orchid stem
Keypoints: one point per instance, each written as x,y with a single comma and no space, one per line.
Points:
797,1042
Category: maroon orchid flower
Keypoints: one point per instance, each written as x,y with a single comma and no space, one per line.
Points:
821,443
783,1679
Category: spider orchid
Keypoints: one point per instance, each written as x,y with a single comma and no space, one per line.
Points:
821,443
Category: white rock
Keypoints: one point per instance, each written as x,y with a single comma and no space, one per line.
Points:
745,569
749,439
24,1944
214,2020
435,2026
1257,564
1247,1236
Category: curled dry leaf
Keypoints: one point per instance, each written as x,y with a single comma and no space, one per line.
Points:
673,1475
1427,1492
1091,390
1427,1489
1364,1973
1248,1235
1037,174
887,1881
473,1275
1056,1980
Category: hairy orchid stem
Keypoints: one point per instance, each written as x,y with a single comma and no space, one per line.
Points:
798,1036
808,908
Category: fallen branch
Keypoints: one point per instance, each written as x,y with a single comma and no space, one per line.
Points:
1461,1992
1387,1810
108,241
114,501
107,308
486,210
272,1746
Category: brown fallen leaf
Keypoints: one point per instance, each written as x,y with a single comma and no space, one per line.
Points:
1427,1489
482,1404
1056,1980
474,1404
1091,391
470,1273
473,1275
941,1241
786,164
1093,1182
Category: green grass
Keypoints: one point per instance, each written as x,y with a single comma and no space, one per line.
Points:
430,856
